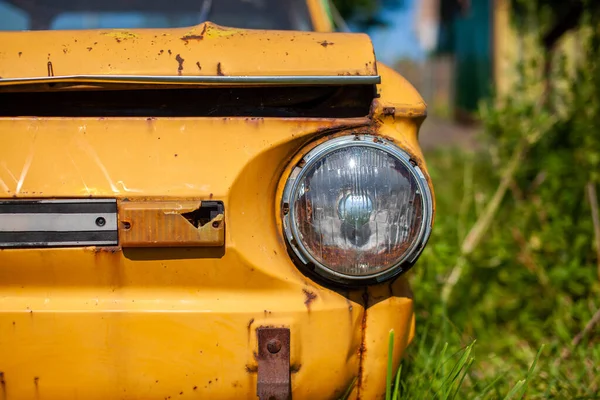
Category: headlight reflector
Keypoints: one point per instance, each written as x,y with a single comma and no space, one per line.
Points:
357,209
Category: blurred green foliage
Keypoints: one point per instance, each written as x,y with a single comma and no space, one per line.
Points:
552,18
533,279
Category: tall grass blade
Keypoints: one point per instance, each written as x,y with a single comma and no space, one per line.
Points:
390,366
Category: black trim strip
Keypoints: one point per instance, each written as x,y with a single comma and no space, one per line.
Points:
43,238
38,207
331,101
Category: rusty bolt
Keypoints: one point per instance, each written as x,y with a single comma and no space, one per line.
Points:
274,345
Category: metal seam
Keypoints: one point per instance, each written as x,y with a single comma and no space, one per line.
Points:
363,343
208,80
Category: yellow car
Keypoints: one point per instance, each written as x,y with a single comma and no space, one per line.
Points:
202,211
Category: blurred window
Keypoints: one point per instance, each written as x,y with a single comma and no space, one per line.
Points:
12,18
127,14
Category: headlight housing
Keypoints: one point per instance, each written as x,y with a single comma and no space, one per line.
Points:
356,210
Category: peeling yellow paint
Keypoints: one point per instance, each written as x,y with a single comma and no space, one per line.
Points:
215,31
121,35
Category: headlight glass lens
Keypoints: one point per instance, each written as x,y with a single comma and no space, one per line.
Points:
357,208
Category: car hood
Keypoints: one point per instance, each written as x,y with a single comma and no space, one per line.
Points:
206,50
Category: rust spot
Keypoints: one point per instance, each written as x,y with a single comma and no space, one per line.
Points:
325,43
50,69
309,298
89,48
180,62
106,250
176,154
195,387
219,70
36,379
198,65
389,110
180,393
20,53
169,51
210,196
250,323
251,369
294,368
187,38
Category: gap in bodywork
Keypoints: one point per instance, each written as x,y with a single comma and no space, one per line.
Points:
205,213
335,101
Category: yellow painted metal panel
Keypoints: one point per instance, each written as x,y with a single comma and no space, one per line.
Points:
383,314
203,50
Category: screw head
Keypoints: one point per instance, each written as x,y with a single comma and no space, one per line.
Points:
274,345
100,221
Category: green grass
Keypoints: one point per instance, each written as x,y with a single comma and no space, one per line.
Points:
529,287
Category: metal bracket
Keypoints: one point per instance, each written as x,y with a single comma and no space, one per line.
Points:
273,358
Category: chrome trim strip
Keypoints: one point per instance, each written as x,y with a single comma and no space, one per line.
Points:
201,80
53,222
33,223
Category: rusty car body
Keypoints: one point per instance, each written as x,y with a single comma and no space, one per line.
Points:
178,143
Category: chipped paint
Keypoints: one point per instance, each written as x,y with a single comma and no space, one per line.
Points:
219,70
309,297
180,63
213,31
121,35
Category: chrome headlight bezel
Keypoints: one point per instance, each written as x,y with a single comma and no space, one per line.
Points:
292,235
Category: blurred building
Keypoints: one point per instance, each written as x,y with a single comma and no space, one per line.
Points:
427,24
465,35
479,49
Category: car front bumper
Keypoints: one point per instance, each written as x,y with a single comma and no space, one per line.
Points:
85,323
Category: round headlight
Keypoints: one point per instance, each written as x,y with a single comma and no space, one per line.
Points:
357,210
